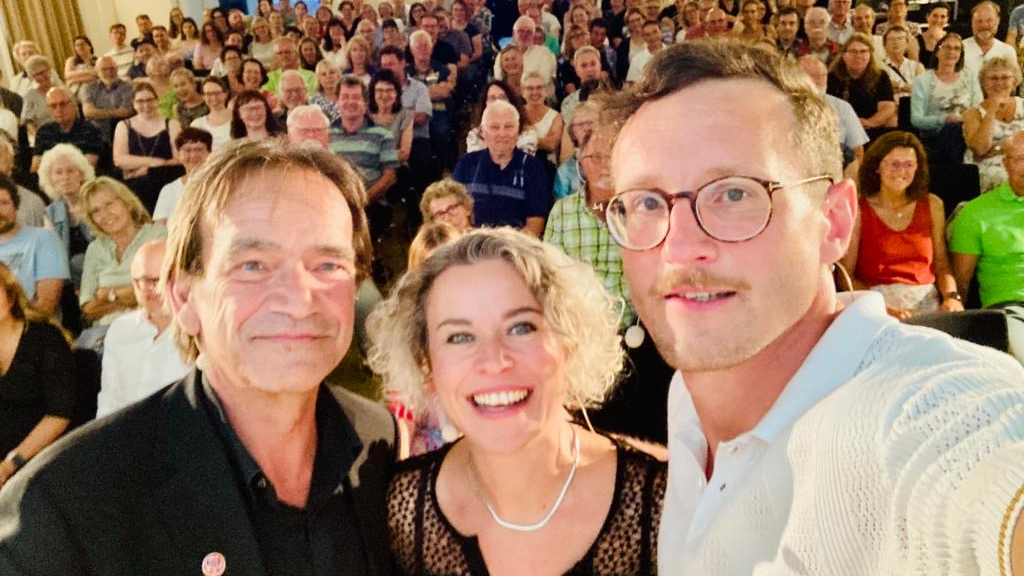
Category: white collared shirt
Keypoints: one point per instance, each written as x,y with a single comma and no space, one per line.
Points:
893,450
974,58
136,362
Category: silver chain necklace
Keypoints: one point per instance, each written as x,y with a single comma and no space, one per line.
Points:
471,475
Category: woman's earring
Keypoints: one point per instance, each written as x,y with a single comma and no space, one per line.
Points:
635,335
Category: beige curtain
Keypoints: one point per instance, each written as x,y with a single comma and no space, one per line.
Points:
51,24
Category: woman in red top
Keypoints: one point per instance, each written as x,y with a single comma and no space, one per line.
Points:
898,246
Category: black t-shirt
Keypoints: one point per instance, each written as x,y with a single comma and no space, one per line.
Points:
40,382
83,135
861,97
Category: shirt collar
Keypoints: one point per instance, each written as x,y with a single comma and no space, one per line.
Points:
833,360
1006,193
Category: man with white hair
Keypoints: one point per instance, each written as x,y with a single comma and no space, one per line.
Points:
817,43
107,101
983,45
863,21
509,187
308,126
536,58
139,356
291,93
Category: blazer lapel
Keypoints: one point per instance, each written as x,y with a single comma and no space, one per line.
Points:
200,504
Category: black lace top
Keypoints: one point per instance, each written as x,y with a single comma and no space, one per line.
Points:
424,543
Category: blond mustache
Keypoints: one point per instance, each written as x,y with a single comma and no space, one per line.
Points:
698,277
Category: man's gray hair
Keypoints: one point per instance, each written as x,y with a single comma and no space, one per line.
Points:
499,106
290,74
420,34
819,11
307,110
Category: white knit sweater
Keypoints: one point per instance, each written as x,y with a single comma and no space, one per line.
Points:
893,450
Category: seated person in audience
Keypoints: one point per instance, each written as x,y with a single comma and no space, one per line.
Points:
190,102
357,59
229,65
67,127
251,117
120,225
586,63
80,67
32,209
253,76
34,112
108,100
144,52
33,254
544,120
983,45
857,78
448,202
145,26
145,141
286,54
852,136
158,75
988,126
939,100
901,70
370,149
576,222
863,21
139,355
817,42
987,236
386,111
497,309
501,90
218,120
937,17
652,45
897,17
309,126
162,39
440,80
510,71
328,79
633,43
536,58
509,187
23,82
291,93
37,395
122,54
211,42
194,146
567,178
786,29
62,172
898,245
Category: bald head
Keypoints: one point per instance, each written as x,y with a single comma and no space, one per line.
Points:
145,276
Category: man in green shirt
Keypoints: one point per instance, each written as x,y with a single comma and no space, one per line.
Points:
988,236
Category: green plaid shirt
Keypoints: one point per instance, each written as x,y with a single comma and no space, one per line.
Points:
577,231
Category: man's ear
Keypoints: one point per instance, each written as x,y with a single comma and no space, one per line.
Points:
840,215
179,298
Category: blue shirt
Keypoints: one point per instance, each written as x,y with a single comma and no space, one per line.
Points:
505,197
34,254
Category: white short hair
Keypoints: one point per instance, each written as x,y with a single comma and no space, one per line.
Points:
290,74
63,151
420,34
499,106
308,110
817,10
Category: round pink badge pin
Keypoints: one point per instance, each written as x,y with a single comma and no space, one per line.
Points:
214,564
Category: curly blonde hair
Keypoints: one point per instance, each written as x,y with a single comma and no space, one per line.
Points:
578,311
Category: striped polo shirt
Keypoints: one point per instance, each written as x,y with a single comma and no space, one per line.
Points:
369,149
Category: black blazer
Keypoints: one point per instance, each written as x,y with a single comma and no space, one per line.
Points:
150,490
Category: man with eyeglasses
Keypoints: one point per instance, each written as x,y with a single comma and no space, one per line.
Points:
194,146
287,55
107,102
809,432
139,356
67,127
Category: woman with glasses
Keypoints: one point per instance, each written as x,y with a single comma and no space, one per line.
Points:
898,245
544,120
143,142
251,117
218,121
857,78
988,126
503,333
502,90
385,108
939,99
62,172
567,178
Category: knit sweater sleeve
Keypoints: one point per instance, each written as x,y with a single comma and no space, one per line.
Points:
922,116
955,449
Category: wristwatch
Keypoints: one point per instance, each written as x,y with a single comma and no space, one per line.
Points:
16,459
954,295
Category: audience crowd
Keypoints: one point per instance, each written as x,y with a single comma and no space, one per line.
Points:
462,115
